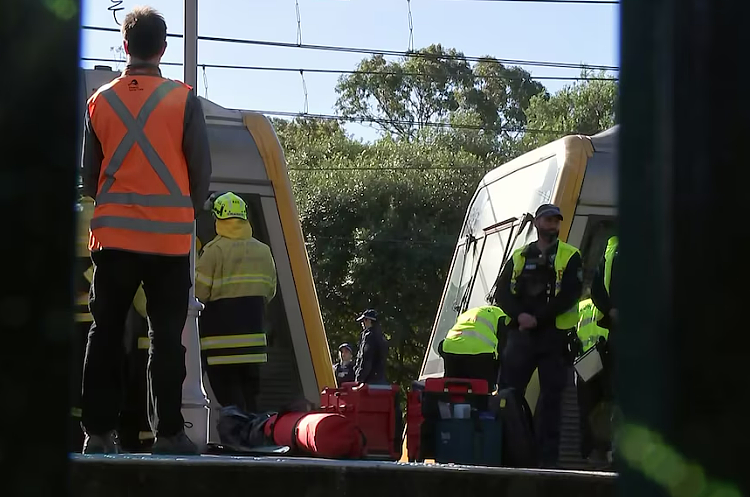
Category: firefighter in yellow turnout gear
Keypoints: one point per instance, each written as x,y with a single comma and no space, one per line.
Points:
235,279
470,349
594,396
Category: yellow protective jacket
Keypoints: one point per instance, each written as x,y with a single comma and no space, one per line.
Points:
588,331
85,213
475,332
234,264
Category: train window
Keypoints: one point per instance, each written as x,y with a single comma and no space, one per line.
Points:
599,229
495,247
458,282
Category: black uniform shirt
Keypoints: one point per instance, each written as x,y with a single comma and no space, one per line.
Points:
536,287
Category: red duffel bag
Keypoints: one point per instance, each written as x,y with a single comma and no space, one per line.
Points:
317,434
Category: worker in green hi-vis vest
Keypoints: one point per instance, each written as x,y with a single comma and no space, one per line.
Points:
594,395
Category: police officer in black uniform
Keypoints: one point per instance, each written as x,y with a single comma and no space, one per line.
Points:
344,370
539,289
373,350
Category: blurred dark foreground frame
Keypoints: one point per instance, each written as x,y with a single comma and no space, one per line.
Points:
39,135
682,380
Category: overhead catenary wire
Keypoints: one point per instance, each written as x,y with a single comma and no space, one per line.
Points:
425,124
354,71
385,52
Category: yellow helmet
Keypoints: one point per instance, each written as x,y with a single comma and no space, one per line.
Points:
229,205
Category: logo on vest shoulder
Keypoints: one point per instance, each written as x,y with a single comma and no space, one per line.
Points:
133,85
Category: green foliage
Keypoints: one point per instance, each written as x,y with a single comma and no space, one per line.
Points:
378,231
434,87
381,219
585,107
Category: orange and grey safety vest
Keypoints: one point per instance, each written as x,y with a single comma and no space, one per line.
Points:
143,202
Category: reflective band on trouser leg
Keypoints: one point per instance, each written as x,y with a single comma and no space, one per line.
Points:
237,359
235,349
84,317
234,341
145,435
82,314
174,199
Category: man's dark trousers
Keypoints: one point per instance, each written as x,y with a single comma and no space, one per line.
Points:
545,349
166,282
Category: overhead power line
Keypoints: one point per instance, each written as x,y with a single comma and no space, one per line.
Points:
432,124
391,53
350,71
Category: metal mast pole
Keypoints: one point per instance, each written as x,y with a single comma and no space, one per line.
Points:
194,400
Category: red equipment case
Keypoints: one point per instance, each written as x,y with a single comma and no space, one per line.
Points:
373,410
449,390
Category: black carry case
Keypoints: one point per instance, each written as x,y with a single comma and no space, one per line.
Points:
431,412
519,445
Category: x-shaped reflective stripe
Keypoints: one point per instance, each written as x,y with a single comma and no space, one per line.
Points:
134,135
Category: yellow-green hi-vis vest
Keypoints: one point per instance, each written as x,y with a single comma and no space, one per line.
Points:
588,331
565,251
609,257
475,332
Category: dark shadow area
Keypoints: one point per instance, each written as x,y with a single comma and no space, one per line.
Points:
39,130
681,377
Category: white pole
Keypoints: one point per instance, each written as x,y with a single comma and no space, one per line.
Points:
191,44
194,400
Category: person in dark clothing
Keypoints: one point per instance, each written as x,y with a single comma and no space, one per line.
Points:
471,348
147,164
135,426
373,350
603,292
605,298
344,370
539,289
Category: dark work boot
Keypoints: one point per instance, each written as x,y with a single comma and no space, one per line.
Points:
109,443
179,444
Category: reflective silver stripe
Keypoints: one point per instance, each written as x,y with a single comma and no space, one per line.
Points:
234,341
487,323
474,334
586,321
144,200
145,435
237,359
135,134
144,225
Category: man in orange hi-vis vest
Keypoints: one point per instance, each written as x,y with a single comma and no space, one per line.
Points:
146,162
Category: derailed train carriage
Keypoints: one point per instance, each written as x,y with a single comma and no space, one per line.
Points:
247,159
577,173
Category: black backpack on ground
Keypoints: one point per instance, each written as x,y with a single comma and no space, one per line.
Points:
519,445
